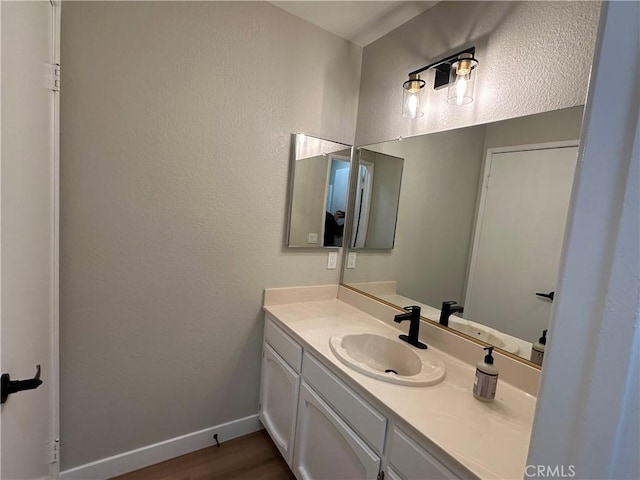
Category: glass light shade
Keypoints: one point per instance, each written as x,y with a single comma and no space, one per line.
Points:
411,93
462,81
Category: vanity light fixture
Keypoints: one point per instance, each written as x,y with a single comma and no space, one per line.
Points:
411,93
461,81
454,71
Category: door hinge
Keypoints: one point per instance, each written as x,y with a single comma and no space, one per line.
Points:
260,406
53,450
53,77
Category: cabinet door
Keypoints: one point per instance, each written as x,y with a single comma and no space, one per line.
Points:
279,401
326,448
392,475
411,460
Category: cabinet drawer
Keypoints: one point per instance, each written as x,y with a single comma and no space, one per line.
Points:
282,343
367,421
412,461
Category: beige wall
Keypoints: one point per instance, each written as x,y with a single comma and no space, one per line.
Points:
176,130
534,57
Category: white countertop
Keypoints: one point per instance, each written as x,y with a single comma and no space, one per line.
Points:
489,439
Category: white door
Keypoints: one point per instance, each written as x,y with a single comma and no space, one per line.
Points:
519,237
28,237
364,187
326,448
279,401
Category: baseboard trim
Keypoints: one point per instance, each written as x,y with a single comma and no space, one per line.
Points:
143,457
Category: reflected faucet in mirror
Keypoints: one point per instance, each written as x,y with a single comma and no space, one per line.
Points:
449,308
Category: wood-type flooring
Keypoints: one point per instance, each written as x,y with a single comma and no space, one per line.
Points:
252,457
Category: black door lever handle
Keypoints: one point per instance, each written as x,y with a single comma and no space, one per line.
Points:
549,295
8,386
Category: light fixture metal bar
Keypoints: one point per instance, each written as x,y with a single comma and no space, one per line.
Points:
442,73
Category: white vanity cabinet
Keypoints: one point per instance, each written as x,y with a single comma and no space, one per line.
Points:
279,389
325,429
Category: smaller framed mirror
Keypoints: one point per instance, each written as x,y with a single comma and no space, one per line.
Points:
318,190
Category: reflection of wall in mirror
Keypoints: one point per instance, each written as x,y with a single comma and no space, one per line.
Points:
437,202
308,198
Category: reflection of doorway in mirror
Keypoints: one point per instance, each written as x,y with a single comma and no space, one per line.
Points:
337,188
364,187
517,245
338,184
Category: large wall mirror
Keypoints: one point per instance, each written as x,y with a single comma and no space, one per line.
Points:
319,181
480,221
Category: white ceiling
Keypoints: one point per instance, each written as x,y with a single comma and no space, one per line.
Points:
360,22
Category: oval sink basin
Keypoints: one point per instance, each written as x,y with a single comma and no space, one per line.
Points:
387,359
486,335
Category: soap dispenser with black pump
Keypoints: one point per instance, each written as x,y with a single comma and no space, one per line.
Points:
537,349
486,381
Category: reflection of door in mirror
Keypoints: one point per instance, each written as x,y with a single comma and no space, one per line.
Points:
363,202
517,244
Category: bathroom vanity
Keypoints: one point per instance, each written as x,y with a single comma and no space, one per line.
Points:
330,420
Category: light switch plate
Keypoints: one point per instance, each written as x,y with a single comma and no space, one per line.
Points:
313,238
351,260
332,261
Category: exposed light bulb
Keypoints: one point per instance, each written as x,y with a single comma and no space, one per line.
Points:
412,105
411,91
462,83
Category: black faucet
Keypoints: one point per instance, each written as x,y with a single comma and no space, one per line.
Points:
447,309
413,314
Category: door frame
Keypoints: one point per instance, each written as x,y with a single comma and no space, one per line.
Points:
54,381
54,467
484,186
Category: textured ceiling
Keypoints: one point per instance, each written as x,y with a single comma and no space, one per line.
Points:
360,22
